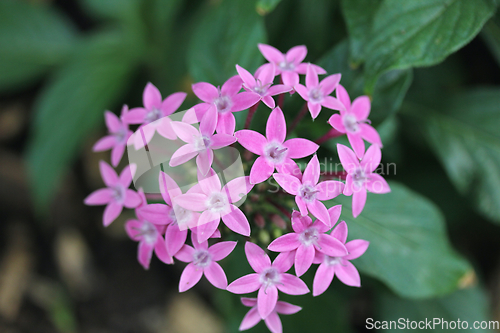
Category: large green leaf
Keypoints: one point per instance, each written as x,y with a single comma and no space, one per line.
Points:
114,9
409,249
406,34
491,34
227,35
462,129
70,107
33,39
265,6
469,306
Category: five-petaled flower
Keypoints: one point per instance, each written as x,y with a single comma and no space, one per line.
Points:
360,175
274,151
272,321
268,279
339,265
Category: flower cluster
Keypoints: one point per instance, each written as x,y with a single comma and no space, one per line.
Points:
163,227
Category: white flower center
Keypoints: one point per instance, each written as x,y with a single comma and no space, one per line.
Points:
350,123
217,202
201,258
148,232
153,115
332,261
308,192
275,152
121,135
309,237
359,177
223,104
202,142
269,277
286,66
180,216
315,95
260,88
119,193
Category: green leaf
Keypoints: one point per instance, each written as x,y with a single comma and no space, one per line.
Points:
463,132
114,9
71,106
469,305
227,35
409,249
33,39
266,6
406,34
491,35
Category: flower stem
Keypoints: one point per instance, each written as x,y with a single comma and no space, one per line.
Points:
333,133
335,174
251,112
280,208
299,117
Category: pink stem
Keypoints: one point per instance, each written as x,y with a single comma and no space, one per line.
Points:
333,133
281,208
299,117
251,112
335,174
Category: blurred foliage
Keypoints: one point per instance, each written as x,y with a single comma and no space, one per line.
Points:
377,45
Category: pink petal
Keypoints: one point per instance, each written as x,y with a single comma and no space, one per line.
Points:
247,301
257,258
189,277
273,323
156,213
237,221
251,140
332,103
232,86
205,91
370,134
285,243
349,185
144,254
358,201
284,261
215,275
302,206
132,199
111,212
185,254
247,78
226,123
303,91
261,170
278,89
269,101
266,300
117,154
182,155
311,78
245,284
168,187
244,100
127,174
204,161
372,158
151,97
311,173
132,227
322,279
221,250
377,184
343,96
271,54
113,123
318,210
289,183
190,116
108,174
192,201
207,224
348,274
290,79
299,148
286,308
348,159
336,122
296,54
221,140
209,122
135,116
266,74
99,197
173,102
105,143
329,189
303,259
251,319
174,239
292,285
210,182
334,213
331,246
185,132
314,109
356,248
161,251
361,107
329,83
289,167
299,222
340,232
237,188
143,136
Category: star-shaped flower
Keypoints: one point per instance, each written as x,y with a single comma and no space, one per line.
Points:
360,175
339,265
308,193
274,151
353,120
272,321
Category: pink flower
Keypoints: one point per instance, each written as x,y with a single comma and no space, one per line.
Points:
317,93
117,138
289,65
353,121
154,114
308,193
215,203
261,84
268,279
225,100
117,194
340,265
200,142
149,237
308,239
272,321
274,151
360,175
203,260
